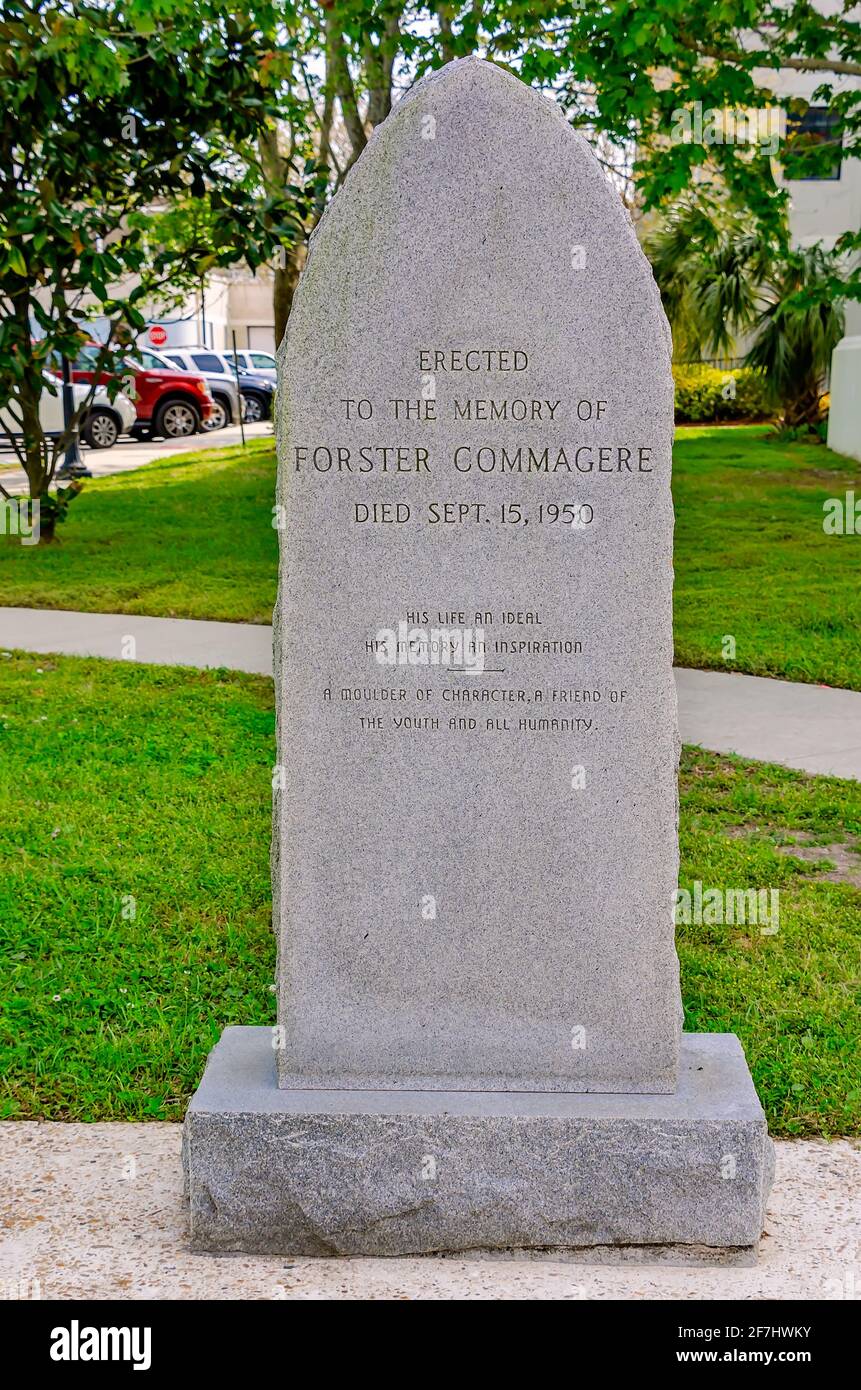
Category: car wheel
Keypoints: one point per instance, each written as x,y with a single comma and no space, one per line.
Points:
253,409
176,419
219,417
101,430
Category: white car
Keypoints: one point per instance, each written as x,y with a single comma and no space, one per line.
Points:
102,425
106,419
261,363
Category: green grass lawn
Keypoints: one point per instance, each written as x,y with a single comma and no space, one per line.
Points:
192,537
753,562
187,537
124,782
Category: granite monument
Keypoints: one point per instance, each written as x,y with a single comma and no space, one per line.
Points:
475,831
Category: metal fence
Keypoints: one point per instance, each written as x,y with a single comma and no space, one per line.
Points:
723,364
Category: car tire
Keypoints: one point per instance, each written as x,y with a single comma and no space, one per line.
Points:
101,429
219,417
254,408
176,419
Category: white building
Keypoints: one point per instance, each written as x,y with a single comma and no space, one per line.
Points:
230,301
821,209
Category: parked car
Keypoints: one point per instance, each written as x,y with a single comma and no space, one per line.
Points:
252,360
256,389
168,403
101,426
220,377
105,420
258,397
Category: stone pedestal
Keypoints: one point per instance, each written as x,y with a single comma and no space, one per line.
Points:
844,415
275,1171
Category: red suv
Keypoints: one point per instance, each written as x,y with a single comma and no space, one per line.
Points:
168,403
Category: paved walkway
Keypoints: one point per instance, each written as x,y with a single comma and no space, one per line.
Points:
129,453
95,1211
158,641
810,727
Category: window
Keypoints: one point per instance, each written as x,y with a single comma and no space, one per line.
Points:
176,360
152,362
86,359
262,359
207,362
816,127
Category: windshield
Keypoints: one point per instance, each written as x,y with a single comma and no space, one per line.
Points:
154,362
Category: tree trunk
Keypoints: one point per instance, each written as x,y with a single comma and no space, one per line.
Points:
286,279
338,72
35,464
276,171
338,85
803,408
445,33
29,396
47,528
379,65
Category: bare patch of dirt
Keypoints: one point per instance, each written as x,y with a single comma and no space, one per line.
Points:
845,856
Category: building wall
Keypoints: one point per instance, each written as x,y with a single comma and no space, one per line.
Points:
202,318
251,311
821,209
234,301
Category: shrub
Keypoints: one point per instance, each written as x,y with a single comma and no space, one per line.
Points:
704,395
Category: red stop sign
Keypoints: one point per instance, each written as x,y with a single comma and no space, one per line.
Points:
158,335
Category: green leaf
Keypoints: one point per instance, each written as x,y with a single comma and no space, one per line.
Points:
15,261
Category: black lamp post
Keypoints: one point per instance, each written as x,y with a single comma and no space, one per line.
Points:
73,464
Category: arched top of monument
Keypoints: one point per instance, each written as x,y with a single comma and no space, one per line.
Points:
476,187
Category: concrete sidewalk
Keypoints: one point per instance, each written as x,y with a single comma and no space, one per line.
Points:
95,1211
809,727
155,641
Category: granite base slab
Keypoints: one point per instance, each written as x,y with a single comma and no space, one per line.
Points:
398,1172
